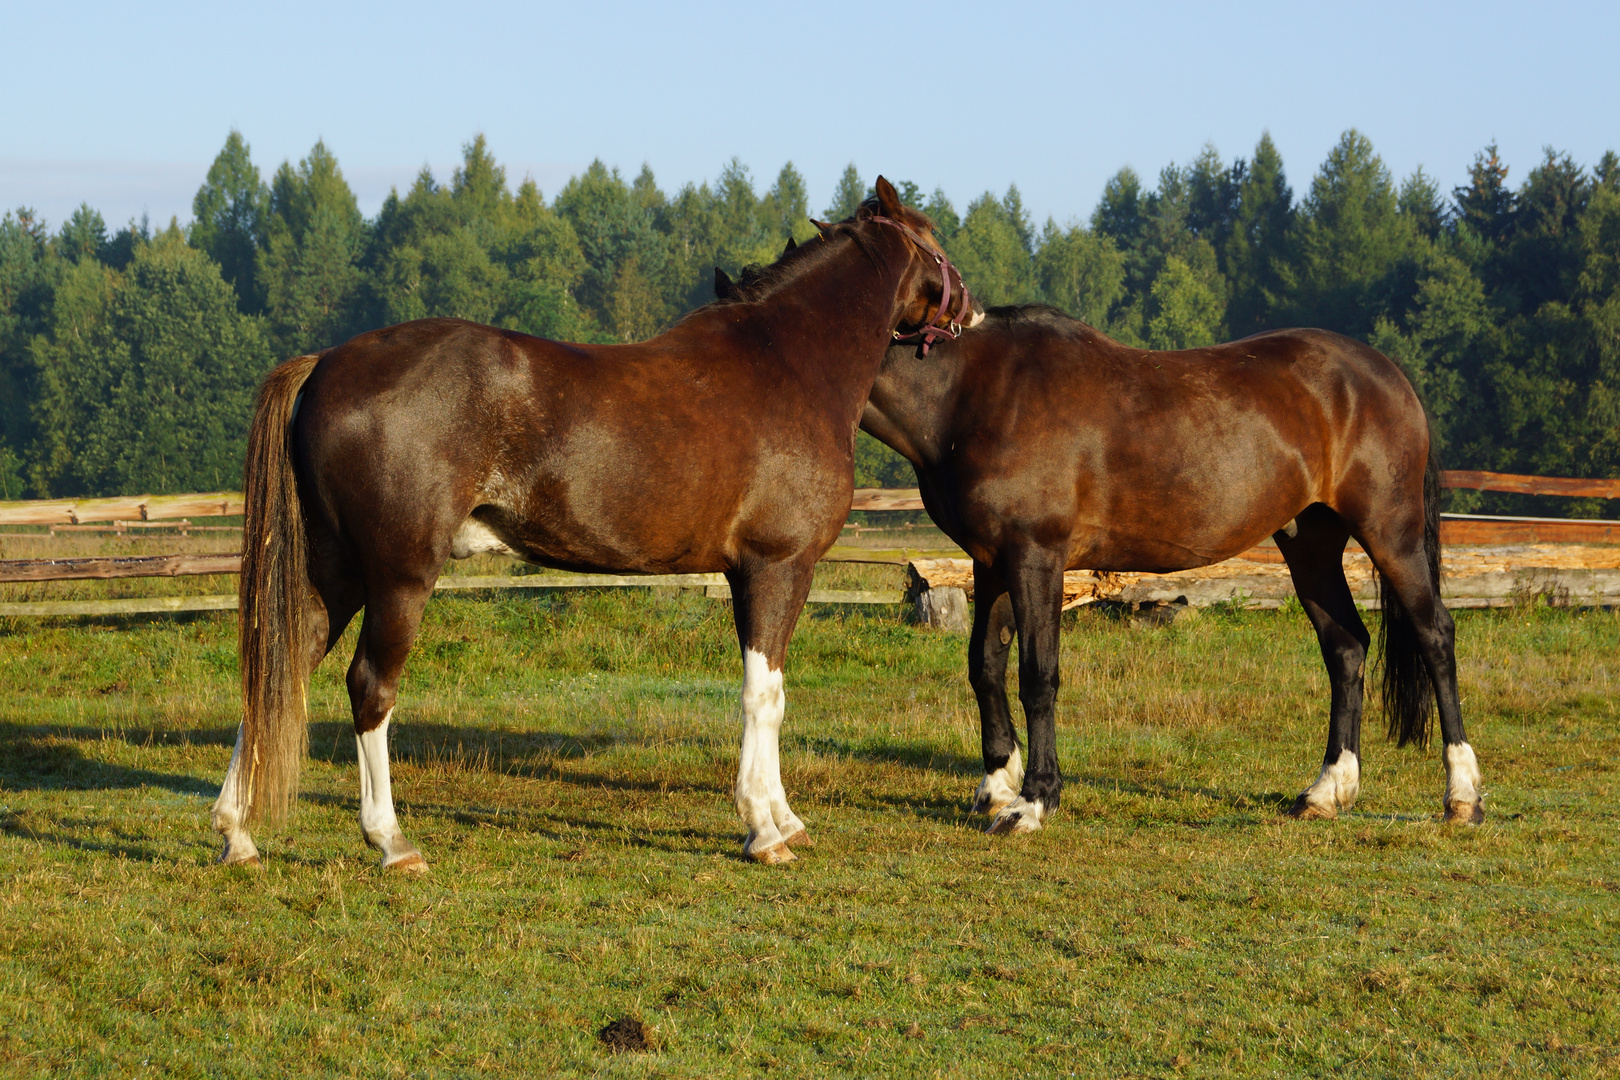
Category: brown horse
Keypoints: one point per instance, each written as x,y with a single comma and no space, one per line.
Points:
1041,444
723,445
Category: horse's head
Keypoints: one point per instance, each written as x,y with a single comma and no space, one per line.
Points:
934,301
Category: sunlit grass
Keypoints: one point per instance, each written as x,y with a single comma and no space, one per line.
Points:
565,762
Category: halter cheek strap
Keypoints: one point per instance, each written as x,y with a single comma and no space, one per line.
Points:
946,323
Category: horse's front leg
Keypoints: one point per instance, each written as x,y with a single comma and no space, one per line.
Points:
766,601
988,649
1035,583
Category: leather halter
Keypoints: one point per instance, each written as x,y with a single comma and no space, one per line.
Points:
945,323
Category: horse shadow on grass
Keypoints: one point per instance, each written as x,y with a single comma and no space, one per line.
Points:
1231,801
126,844
49,757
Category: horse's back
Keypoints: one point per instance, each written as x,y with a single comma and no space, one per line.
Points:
1169,460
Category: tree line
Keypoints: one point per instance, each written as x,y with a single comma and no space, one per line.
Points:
128,358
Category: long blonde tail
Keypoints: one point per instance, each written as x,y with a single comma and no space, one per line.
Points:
273,602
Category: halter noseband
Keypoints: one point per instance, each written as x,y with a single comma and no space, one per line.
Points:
945,323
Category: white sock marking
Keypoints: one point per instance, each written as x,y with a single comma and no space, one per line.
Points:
1001,787
1463,779
1338,786
761,799
228,814
377,820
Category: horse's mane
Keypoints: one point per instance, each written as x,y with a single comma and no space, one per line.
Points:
1016,317
757,282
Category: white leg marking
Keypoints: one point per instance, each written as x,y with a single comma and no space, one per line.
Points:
1335,789
377,820
1463,785
1019,816
228,814
761,800
1001,787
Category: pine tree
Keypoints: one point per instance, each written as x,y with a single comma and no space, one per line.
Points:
612,225
1119,211
944,215
847,196
1355,256
1257,246
1485,204
787,205
230,216
1420,203
29,281
1080,272
989,251
83,236
1539,261
310,265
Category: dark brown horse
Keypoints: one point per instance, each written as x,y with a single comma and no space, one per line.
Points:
1041,444
725,444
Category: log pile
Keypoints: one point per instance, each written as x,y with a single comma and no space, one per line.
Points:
1499,576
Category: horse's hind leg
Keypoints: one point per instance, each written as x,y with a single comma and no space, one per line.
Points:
988,649
1417,622
331,605
1315,556
1035,583
393,615
766,602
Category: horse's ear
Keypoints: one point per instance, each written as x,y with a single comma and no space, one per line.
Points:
791,244
888,198
723,288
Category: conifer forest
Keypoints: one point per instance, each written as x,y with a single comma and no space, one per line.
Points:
129,355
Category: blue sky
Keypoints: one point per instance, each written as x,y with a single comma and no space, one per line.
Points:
124,105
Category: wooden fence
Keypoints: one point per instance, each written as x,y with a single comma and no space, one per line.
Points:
1456,529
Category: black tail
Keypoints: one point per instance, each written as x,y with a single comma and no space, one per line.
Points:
1408,690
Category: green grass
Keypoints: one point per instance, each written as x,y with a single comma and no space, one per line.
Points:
565,761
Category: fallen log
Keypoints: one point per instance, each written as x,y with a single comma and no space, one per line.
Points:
1559,574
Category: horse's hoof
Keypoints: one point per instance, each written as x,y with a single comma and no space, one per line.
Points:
776,853
1015,818
800,839
409,863
1305,810
1465,813
983,803
247,862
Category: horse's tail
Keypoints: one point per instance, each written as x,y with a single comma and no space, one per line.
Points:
1408,689
273,601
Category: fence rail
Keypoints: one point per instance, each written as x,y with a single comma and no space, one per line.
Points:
229,503
1458,529
1529,485
713,586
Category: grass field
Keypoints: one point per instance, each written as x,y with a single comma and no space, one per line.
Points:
565,762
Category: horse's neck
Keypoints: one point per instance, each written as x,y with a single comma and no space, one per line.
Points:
912,402
847,313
